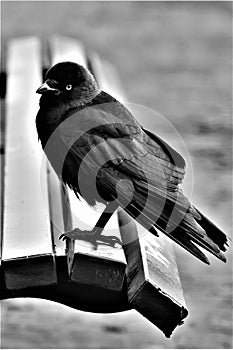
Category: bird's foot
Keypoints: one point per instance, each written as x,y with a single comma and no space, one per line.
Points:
78,234
92,236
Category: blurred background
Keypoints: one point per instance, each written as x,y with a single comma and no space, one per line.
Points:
174,57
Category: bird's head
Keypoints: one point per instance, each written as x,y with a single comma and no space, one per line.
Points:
70,81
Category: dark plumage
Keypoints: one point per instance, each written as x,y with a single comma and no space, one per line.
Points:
79,124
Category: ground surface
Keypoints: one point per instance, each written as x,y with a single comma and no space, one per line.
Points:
176,59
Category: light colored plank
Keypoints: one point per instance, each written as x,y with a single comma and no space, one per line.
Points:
56,210
154,287
2,132
107,77
152,273
87,265
67,49
26,216
54,184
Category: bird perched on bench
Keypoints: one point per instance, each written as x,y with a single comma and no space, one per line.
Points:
102,153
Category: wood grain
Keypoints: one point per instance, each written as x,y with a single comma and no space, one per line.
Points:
154,287
26,216
105,266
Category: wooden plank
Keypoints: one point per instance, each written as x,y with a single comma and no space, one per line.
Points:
107,77
56,211
55,192
66,49
154,287
3,74
26,218
104,267
2,124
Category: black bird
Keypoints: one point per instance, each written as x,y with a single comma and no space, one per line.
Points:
87,134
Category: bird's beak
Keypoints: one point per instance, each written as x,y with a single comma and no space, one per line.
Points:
46,88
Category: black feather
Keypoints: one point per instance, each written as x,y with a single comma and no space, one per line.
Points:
97,136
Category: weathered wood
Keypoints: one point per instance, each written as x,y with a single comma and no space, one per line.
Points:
78,296
103,267
154,287
107,77
3,74
26,228
95,280
56,211
67,49
55,193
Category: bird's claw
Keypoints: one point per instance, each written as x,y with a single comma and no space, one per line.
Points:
91,237
63,237
110,240
75,234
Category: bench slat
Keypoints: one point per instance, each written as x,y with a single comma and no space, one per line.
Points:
107,77
154,287
35,197
66,49
26,217
56,210
55,193
104,267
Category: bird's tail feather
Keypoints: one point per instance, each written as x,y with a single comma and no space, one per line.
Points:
184,236
214,233
203,241
179,220
184,224
181,239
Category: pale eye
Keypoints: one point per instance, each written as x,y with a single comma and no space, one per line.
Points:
68,87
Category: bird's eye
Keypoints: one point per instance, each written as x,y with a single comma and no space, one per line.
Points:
68,87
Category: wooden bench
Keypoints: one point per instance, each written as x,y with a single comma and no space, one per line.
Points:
37,208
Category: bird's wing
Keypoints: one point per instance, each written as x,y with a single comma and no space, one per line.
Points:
109,134
122,150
